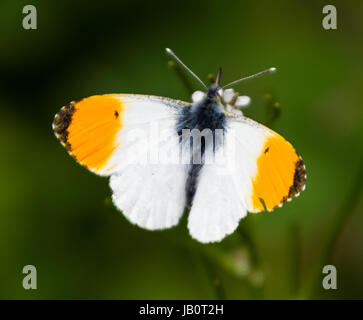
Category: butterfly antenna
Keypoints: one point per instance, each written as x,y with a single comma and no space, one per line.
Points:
169,51
249,77
218,78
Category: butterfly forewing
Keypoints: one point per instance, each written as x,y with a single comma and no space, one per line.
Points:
266,162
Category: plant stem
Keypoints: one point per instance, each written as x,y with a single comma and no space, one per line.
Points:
189,88
213,278
295,238
341,219
244,230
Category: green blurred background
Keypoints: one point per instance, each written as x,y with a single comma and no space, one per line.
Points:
56,215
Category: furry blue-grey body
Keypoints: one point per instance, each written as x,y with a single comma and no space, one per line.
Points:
205,114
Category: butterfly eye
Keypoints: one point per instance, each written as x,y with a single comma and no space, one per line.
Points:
197,96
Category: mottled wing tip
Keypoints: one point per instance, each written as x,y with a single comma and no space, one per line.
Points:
299,179
61,123
298,184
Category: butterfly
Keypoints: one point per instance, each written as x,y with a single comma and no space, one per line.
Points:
113,135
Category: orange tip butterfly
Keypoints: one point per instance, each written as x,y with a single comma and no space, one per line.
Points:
163,155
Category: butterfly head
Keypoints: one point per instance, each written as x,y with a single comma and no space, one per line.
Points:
212,92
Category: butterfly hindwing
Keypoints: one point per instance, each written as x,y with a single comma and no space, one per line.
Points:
217,206
152,195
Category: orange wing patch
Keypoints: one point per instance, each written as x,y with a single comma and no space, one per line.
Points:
88,129
280,174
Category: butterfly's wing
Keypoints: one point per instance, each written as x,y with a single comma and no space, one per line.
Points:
257,169
111,136
98,131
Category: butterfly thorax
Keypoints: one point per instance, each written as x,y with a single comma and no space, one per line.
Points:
204,114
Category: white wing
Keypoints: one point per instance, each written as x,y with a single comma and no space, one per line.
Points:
254,168
150,195
217,207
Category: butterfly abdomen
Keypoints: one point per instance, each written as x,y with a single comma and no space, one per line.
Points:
201,116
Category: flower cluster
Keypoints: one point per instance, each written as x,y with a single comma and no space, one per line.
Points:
233,102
